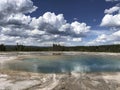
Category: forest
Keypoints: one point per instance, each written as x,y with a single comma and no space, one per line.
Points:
57,47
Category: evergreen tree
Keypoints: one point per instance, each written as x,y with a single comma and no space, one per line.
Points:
2,47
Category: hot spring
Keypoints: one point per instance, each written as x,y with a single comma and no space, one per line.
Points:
66,64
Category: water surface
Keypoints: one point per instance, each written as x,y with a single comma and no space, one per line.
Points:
63,64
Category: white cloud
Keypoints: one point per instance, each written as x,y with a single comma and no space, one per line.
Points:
17,27
56,24
112,17
99,40
79,27
16,6
11,7
55,20
57,29
113,38
112,10
36,32
111,20
77,39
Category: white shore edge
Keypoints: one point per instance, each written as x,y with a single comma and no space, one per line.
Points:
61,52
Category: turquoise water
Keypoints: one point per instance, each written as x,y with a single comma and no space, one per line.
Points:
63,64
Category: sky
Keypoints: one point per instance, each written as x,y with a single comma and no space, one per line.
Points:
65,22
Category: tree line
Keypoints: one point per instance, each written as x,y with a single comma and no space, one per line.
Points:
58,47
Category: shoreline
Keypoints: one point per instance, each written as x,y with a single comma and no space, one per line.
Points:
61,53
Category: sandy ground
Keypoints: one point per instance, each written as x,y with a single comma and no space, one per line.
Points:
14,80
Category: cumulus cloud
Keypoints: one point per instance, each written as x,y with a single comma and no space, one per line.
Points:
112,10
112,21
56,28
16,6
113,38
77,39
17,27
11,7
56,24
112,17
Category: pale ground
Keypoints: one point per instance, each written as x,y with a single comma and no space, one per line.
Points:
14,80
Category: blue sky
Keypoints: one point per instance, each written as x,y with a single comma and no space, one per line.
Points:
89,11
67,22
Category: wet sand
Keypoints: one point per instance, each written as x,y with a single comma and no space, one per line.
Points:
17,80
